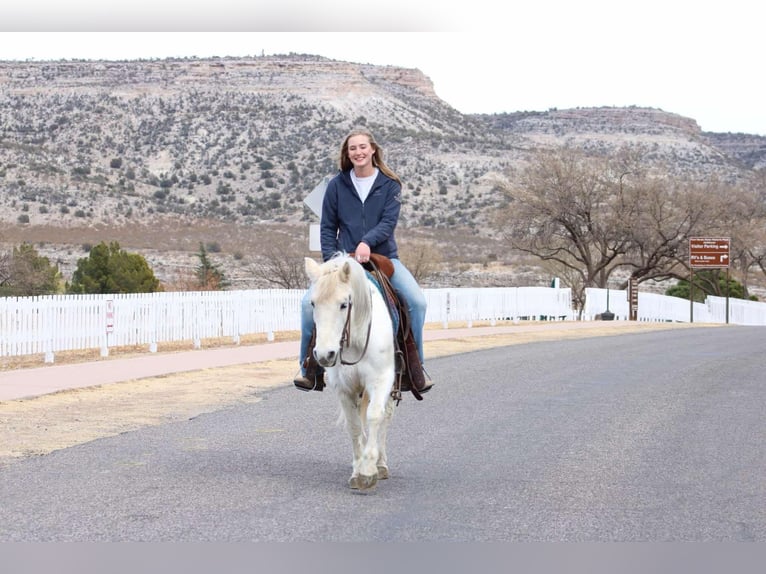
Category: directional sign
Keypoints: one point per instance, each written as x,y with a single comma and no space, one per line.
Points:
314,202
709,252
314,199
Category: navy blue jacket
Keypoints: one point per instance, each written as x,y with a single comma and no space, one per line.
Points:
346,220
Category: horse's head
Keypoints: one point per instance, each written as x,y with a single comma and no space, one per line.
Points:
338,296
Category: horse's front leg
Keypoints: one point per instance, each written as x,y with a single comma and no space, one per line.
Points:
373,459
353,422
382,462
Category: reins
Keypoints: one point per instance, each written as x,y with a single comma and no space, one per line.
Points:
345,339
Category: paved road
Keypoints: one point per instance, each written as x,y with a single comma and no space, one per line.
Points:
647,437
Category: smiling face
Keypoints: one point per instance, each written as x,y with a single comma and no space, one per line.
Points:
360,152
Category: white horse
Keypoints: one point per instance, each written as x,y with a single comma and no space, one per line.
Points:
355,345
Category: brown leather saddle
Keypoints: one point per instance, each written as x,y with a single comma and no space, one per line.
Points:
409,370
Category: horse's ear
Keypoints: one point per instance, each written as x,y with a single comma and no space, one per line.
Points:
312,269
345,272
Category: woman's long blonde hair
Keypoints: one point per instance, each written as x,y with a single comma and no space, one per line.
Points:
377,159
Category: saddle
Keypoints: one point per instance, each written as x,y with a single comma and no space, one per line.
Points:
409,375
408,369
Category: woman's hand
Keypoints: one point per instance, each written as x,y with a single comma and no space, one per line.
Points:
362,252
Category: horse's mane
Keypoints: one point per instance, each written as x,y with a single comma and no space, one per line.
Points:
330,278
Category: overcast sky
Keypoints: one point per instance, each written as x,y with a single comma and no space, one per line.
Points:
698,59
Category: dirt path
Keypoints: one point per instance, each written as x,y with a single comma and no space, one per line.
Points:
43,424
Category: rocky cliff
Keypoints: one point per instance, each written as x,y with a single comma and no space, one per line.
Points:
237,143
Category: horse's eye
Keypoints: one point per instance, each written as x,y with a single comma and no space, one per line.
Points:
343,306
312,303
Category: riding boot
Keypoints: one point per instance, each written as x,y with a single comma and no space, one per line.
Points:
413,374
312,378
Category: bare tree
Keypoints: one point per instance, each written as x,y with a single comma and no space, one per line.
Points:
744,221
567,208
589,216
6,271
32,274
570,278
25,273
282,266
423,259
665,214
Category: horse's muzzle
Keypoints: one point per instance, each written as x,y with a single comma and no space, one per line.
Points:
326,359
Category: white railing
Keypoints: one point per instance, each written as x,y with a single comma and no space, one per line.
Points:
656,307
46,325
498,304
741,312
651,306
49,324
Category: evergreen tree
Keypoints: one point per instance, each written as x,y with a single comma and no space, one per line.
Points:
209,276
708,282
110,269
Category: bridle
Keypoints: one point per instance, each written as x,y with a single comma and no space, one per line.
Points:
345,338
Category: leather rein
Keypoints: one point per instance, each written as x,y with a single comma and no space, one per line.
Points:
345,339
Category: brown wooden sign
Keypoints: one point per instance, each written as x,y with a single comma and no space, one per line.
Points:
709,252
633,298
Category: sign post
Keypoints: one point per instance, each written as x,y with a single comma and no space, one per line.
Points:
109,316
708,253
633,298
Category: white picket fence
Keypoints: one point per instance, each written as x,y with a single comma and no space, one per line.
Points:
49,324
655,307
32,325
498,304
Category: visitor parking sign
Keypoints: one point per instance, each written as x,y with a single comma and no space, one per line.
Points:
709,252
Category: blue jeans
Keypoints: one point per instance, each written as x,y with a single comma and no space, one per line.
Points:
406,288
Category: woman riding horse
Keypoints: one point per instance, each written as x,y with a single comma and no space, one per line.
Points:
360,212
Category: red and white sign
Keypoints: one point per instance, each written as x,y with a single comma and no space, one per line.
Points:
109,315
709,252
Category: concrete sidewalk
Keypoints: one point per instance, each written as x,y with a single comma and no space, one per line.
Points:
27,383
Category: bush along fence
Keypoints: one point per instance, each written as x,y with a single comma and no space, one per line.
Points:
50,324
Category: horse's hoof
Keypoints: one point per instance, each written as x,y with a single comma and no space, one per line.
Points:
382,472
362,482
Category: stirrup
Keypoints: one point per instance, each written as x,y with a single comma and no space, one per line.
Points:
303,383
427,380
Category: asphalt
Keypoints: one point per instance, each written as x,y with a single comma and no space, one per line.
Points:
32,382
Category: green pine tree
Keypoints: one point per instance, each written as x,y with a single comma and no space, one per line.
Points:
209,276
110,269
708,282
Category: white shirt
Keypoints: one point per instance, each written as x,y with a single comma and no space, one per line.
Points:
363,184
